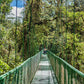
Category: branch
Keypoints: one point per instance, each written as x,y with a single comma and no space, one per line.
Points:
45,21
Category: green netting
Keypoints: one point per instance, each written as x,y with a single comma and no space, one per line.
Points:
22,74
73,76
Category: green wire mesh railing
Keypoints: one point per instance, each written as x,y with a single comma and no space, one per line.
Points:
22,74
64,72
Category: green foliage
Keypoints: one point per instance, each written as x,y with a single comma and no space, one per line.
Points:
44,25
2,31
4,67
80,56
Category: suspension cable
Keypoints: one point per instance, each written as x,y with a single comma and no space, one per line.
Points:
28,28
73,59
61,29
16,34
66,29
23,35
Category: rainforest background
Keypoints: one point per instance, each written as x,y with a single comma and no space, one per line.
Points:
55,24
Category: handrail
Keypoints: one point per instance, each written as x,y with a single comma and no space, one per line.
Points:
30,71
13,70
67,64
65,73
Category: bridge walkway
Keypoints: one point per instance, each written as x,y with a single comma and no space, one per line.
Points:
44,74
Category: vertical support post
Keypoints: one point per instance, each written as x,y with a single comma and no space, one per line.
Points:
75,76
17,76
55,66
40,54
64,74
68,76
71,77
21,75
59,72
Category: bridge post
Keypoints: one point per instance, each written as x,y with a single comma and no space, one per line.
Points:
71,77
21,75
17,78
64,74
55,66
68,76
59,72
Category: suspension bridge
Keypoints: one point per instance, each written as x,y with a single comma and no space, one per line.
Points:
45,68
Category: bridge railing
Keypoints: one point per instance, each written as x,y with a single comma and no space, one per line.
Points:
64,72
22,74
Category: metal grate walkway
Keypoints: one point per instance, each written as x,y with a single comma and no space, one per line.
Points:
44,74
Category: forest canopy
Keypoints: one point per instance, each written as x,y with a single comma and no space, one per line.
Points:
55,24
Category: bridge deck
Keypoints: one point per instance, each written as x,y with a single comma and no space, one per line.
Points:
44,74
